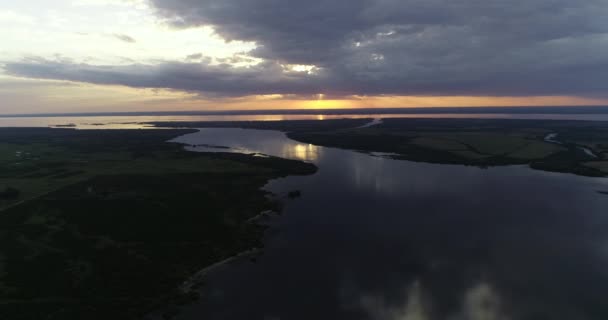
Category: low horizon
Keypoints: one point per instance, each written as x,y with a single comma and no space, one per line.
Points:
79,56
599,109
297,160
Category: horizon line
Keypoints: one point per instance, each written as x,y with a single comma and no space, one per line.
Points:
344,111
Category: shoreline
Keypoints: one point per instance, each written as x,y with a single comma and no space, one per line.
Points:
190,284
119,172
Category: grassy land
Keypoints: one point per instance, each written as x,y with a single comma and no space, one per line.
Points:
286,126
107,224
478,142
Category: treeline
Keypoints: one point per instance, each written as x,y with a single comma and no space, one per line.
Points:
9,193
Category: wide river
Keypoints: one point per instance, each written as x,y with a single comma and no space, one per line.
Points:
375,238
139,122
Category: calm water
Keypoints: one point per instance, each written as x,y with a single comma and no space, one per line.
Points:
375,238
138,122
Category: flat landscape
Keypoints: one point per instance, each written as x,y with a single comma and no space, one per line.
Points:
476,142
303,160
107,224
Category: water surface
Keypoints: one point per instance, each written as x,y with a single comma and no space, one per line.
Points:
141,121
375,238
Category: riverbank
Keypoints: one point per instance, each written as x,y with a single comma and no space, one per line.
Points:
583,147
368,229
109,224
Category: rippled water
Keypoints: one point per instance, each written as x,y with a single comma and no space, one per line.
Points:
375,238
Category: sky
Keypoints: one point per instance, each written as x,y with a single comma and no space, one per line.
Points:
163,55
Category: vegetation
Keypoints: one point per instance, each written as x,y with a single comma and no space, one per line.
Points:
478,142
9,194
285,126
108,224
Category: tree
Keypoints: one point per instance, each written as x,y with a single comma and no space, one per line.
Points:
9,194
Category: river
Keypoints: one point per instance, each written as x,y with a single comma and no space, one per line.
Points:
552,138
119,121
376,238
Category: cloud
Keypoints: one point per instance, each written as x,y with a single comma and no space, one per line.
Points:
221,80
378,47
124,37
194,56
8,17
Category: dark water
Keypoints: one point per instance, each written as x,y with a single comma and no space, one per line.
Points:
374,238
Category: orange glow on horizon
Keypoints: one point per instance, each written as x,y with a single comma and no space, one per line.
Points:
357,102
80,97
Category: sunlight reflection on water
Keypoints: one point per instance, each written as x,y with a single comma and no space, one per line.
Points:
264,142
376,238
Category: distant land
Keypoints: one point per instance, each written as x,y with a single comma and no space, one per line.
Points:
371,111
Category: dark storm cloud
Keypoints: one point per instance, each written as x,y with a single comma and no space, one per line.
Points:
372,47
314,31
222,79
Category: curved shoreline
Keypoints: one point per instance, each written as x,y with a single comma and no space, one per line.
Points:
190,284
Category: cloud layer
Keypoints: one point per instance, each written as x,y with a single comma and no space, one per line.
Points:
376,47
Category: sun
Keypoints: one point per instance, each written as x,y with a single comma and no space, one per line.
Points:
322,103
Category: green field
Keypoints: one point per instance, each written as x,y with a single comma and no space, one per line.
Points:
477,142
108,224
484,145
